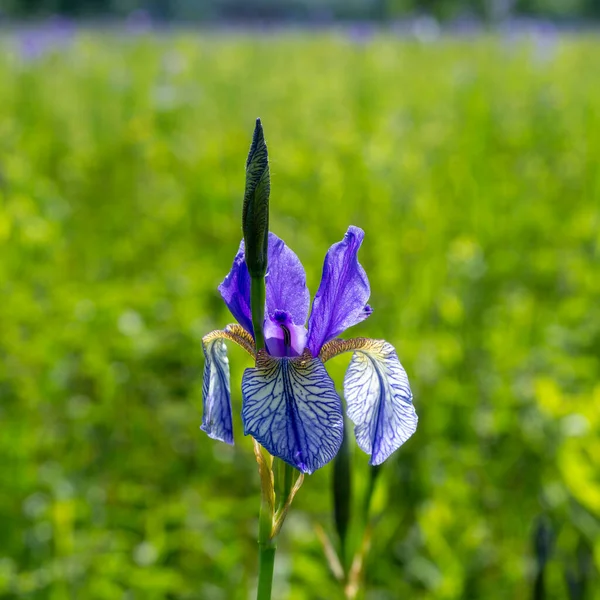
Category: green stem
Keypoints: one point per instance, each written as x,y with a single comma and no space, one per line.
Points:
257,306
266,546
284,479
342,499
266,561
288,480
374,474
266,552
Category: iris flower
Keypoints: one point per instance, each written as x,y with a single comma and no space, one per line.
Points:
289,402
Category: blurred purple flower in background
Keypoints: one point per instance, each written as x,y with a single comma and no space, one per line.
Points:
138,22
542,35
55,34
426,29
361,33
545,37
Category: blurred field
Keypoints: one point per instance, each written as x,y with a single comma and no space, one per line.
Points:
472,165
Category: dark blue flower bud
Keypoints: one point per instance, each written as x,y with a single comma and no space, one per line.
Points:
255,215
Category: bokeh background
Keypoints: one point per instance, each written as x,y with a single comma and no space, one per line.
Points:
463,137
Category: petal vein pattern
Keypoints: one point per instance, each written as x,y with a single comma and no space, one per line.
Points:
291,408
379,400
216,393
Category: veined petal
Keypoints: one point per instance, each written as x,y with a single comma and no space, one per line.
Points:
235,291
286,282
341,300
291,408
378,395
216,393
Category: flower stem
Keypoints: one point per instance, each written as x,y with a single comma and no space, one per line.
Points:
342,499
266,561
255,225
374,472
266,551
284,477
257,306
266,545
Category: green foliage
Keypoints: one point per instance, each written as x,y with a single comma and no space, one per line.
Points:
473,168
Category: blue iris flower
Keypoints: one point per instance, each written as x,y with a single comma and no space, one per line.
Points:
289,402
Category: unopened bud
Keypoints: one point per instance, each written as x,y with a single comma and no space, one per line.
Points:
255,215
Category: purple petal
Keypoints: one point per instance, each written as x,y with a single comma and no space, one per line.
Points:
216,395
290,406
286,282
235,291
285,285
341,300
282,336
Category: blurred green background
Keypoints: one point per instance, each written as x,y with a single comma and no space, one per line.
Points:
472,165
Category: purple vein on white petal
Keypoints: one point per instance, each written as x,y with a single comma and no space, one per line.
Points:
379,400
292,409
216,393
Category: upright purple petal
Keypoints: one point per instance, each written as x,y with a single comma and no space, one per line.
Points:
286,282
341,300
285,285
235,291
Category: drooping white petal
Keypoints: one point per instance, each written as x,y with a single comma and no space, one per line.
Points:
216,393
292,409
379,399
